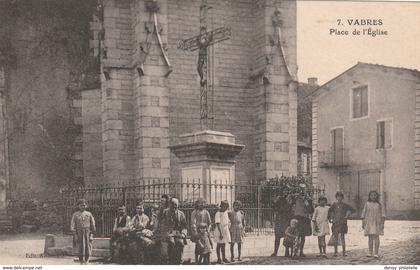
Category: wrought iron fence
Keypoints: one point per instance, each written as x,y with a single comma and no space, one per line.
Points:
103,201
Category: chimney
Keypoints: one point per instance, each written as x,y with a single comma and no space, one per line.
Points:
313,81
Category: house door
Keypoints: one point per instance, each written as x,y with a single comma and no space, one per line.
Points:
357,185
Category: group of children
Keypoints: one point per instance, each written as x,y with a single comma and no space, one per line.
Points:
373,219
229,229
229,226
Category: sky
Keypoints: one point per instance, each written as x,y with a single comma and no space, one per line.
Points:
325,56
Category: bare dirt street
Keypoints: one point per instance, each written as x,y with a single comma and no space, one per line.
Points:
401,253
400,245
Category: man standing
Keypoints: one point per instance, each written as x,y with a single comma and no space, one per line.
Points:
119,233
173,229
83,225
164,204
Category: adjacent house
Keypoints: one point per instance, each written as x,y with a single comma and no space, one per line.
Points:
366,136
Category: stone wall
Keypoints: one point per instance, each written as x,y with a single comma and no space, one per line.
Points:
92,136
276,100
145,108
49,44
232,87
3,134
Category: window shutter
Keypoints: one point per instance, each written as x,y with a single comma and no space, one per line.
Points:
388,134
364,101
356,103
304,163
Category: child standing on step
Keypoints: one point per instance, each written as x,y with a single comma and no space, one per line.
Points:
221,232
321,227
237,229
373,221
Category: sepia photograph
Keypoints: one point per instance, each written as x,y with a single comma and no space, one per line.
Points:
209,132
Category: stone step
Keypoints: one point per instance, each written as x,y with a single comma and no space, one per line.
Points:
101,253
69,251
101,243
6,221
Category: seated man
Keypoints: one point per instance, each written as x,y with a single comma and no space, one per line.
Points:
119,233
139,232
172,229
140,220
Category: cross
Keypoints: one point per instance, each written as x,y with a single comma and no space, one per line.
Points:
202,43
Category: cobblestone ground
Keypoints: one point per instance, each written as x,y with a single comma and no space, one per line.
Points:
400,245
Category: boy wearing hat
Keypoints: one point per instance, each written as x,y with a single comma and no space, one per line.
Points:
83,225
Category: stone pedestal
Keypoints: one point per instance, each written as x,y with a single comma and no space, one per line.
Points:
208,162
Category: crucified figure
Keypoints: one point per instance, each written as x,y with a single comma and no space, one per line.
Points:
203,42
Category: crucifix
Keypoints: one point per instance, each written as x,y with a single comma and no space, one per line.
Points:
203,43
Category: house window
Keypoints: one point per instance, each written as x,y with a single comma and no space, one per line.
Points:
360,102
337,146
384,134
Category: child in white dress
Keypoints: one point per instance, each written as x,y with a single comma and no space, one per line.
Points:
373,216
221,232
321,227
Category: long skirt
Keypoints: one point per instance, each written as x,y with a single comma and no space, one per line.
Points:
84,244
304,225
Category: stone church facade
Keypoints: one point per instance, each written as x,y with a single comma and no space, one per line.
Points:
148,91
143,112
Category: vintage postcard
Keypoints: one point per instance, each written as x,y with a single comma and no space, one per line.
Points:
209,132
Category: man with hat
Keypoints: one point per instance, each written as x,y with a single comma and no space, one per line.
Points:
83,225
119,233
173,229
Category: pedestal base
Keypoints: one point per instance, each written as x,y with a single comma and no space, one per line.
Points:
208,162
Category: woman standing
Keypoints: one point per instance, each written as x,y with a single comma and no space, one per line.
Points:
302,210
373,216
283,214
